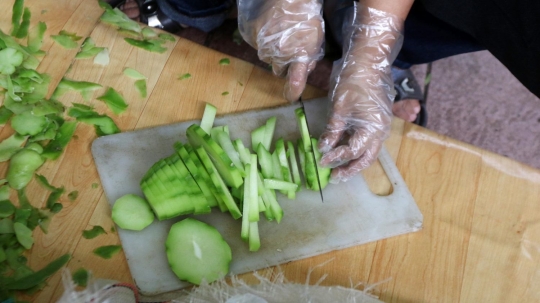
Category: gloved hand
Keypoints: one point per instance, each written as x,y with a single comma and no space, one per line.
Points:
288,34
361,93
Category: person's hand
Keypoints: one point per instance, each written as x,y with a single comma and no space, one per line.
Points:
361,93
288,34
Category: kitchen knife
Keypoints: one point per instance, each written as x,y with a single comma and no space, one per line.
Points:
312,148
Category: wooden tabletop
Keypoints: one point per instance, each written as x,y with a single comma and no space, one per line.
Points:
481,235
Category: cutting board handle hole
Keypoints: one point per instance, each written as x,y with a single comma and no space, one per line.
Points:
377,180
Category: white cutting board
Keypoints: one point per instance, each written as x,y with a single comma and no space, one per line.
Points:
350,215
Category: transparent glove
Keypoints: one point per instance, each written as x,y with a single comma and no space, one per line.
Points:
361,93
288,34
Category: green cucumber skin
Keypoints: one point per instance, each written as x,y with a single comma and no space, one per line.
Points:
230,174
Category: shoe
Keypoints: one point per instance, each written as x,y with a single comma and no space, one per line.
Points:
407,88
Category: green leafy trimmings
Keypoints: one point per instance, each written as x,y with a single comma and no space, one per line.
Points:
153,45
134,74
107,251
114,101
140,85
67,39
94,232
104,124
85,88
225,61
88,49
35,37
184,76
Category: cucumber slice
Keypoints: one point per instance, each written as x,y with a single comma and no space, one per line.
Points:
244,231
279,185
265,161
242,151
302,125
230,174
198,199
257,137
253,191
223,191
269,129
208,117
284,165
291,155
199,174
197,252
225,142
324,172
132,212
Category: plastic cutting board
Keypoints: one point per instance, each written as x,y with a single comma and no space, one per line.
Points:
350,215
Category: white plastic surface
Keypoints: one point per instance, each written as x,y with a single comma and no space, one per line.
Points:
350,215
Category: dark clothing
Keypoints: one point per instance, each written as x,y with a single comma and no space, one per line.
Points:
436,29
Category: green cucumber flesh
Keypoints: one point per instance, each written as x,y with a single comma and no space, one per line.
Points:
132,212
208,117
230,174
197,252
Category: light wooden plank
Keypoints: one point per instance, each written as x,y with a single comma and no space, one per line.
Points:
503,261
428,266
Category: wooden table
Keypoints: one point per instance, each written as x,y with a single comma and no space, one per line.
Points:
481,236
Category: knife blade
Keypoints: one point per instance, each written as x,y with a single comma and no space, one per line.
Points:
312,149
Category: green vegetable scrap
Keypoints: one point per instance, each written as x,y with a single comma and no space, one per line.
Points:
28,124
9,60
73,195
94,232
225,61
66,39
5,115
95,185
114,101
167,37
85,88
88,49
154,45
24,235
22,167
184,76
10,146
54,148
35,38
108,251
148,33
22,32
117,18
224,93
80,277
140,83
39,276
6,208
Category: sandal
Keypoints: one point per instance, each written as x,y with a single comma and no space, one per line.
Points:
149,13
407,88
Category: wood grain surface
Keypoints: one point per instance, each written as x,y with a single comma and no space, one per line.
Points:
481,236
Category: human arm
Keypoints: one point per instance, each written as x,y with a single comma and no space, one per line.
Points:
288,34
361,91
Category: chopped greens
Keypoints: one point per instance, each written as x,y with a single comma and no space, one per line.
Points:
22,31
35,37
167,37
39,276
104,124
16,16
140,85
10,58
134,74
88,49
10,146
107,251
149,45
85,88
54,148
184,76
80,277
73,195
114,101
95,185
66,41
94,232
224,93
225,61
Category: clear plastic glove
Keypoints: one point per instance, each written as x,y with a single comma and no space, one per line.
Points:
288,34
361,93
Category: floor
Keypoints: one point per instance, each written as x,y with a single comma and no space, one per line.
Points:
472,97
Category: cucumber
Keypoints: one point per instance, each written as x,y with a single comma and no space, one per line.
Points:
208,117
223,191
291,155
230,174
257,137
199,174
269,129
132,212
225,142
197,252
324,172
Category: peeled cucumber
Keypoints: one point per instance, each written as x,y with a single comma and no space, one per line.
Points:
197,252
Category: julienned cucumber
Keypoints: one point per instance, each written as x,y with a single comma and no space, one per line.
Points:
197,252
212,170
310,156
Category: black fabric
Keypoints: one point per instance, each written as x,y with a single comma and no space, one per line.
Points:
507,28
